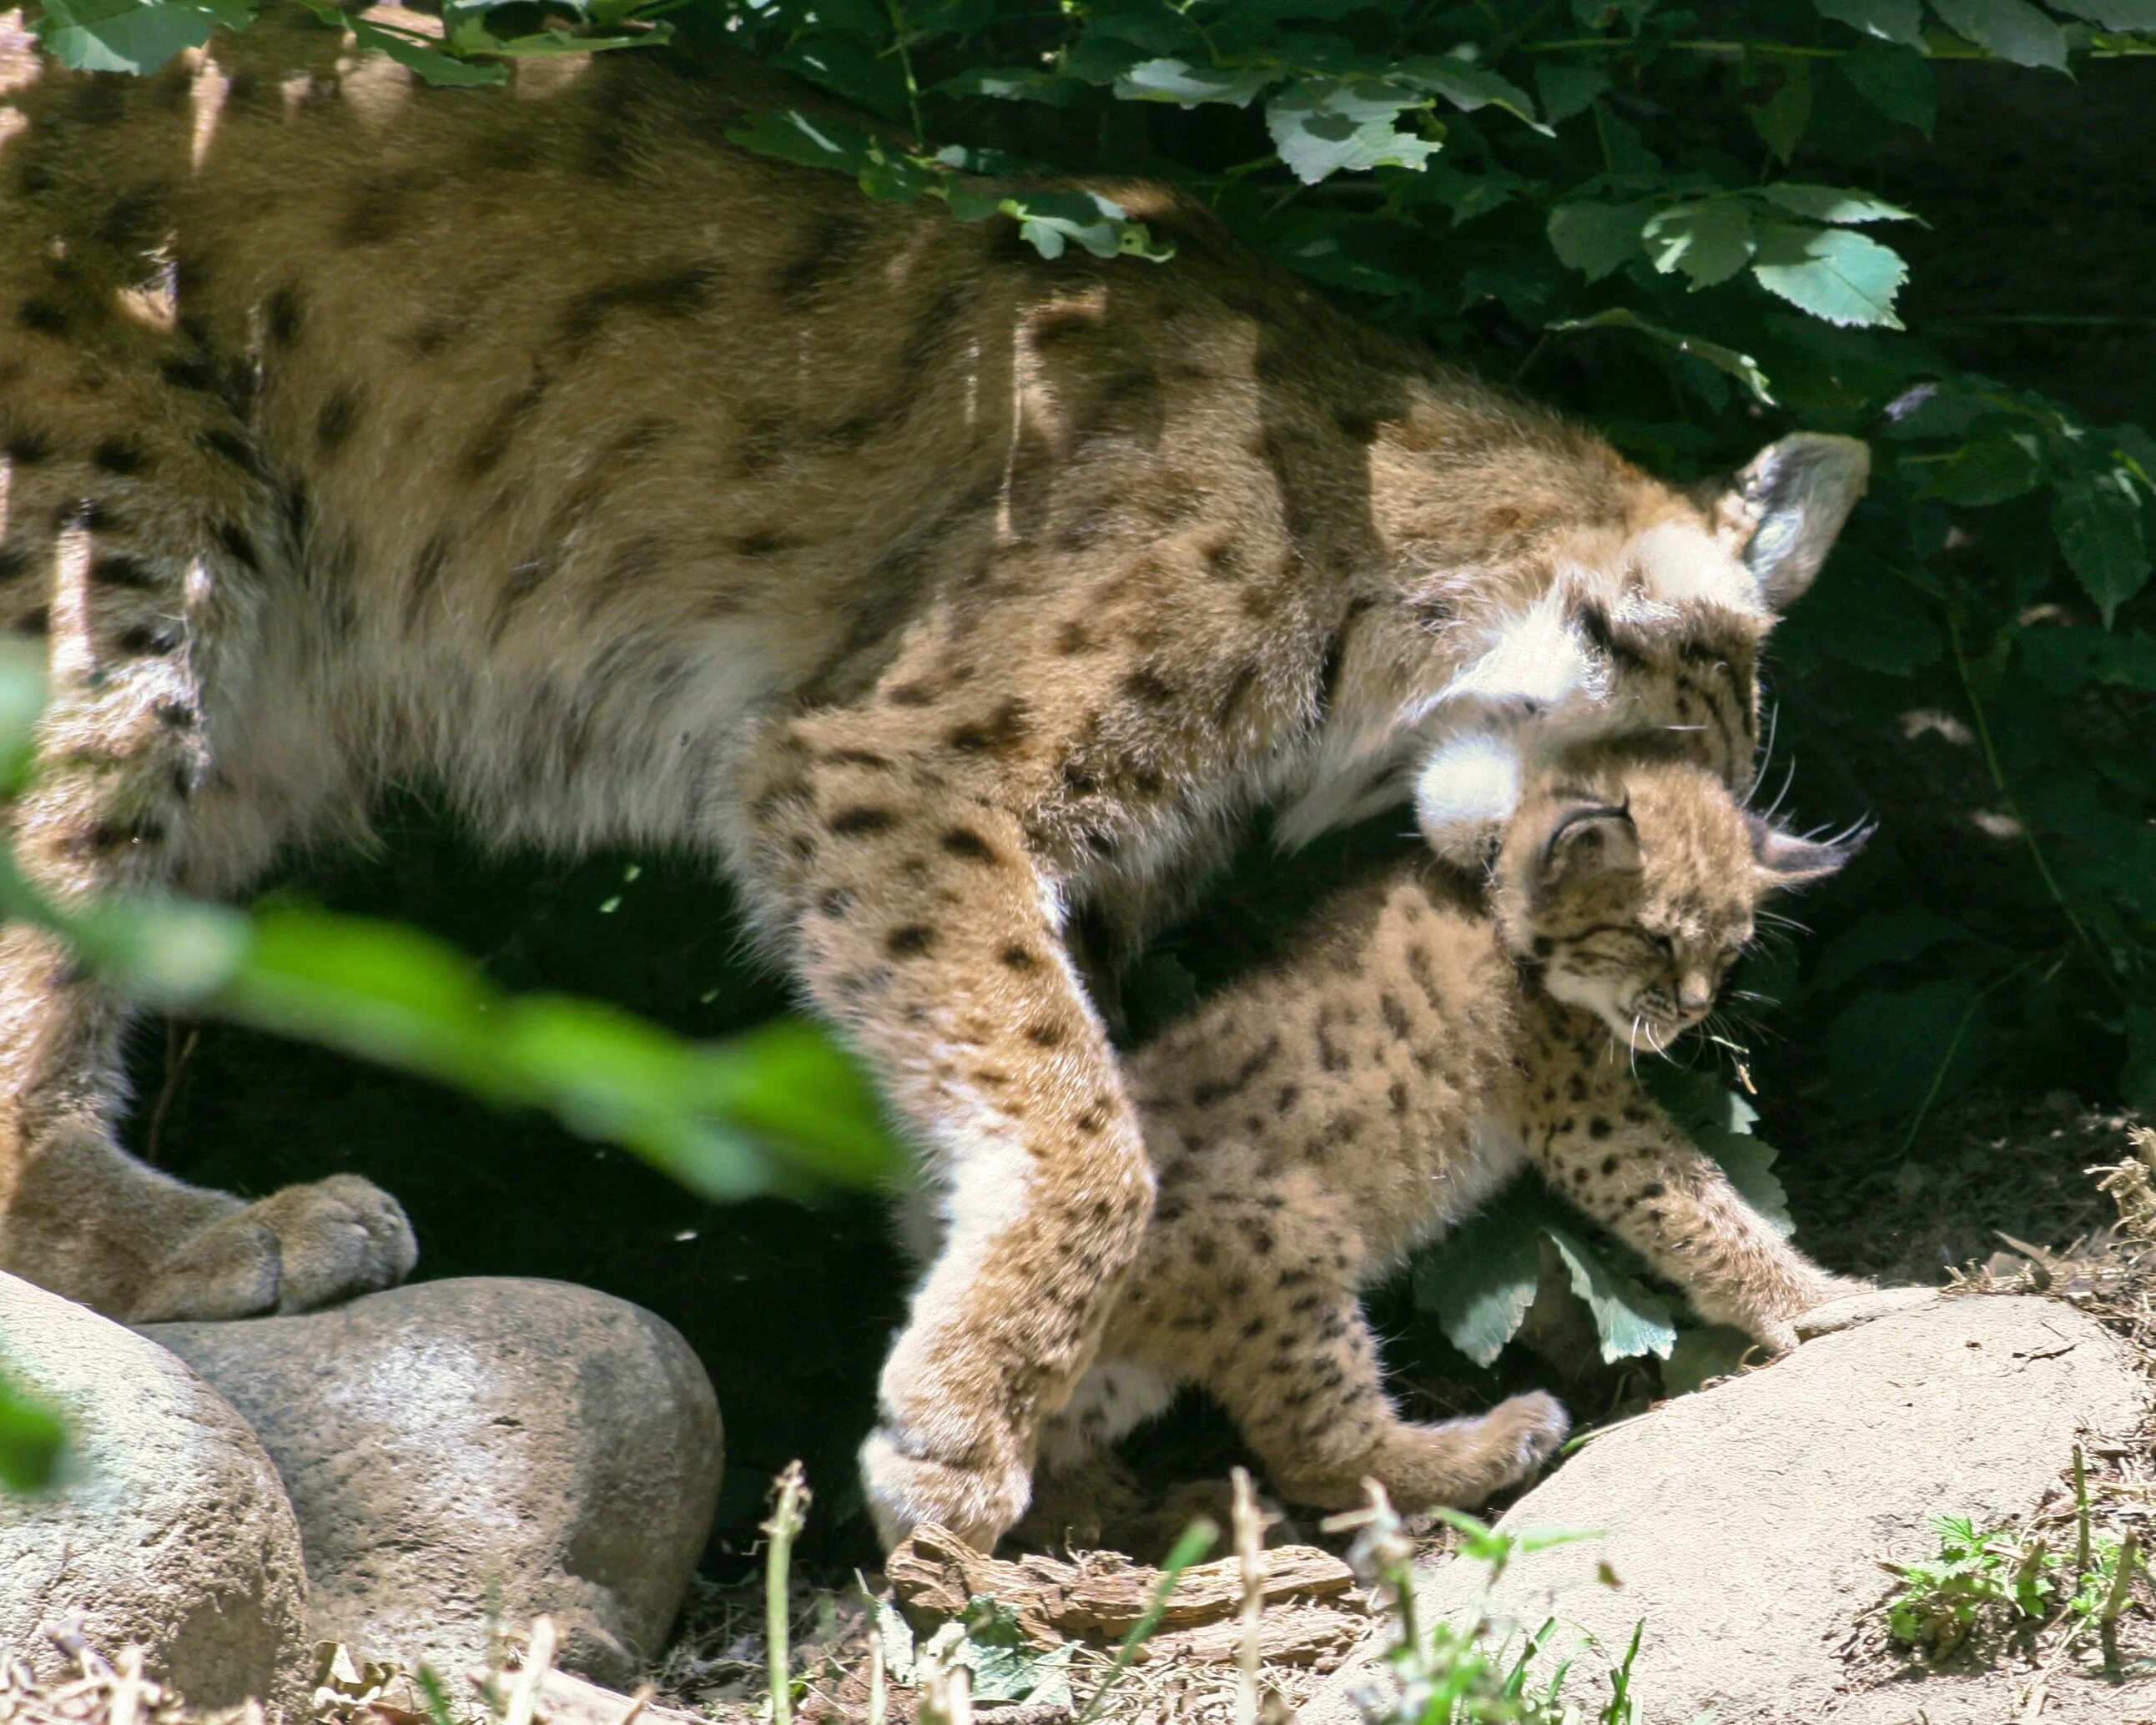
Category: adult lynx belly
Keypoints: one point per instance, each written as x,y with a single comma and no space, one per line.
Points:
537,442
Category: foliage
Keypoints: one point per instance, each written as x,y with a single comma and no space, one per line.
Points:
1479,1280
31,1441
1976,1578
1482,1670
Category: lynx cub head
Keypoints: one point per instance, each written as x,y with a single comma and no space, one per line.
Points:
1632,890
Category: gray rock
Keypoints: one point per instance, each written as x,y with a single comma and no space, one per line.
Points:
170,1530
464,1455
1744,1523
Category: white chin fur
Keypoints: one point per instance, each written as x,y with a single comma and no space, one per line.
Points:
1591,993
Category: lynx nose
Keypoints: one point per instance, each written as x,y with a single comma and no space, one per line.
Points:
1695,993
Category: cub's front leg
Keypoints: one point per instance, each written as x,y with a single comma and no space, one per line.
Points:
922,923
1621,1161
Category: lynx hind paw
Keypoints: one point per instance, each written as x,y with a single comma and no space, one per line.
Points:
303,1248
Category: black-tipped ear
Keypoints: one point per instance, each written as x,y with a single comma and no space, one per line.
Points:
1784,860
1590,836
1795,497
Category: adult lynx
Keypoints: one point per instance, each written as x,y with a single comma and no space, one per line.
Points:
634,489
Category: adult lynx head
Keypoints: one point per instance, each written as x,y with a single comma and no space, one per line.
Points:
1633,890
1576,617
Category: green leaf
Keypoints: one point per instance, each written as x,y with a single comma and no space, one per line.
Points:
1709,241
1466,86
1841,277
32,1441
1901,21
122,35
1885,937
1597,239
1720,1122
1568,88
1325,126
2098,520
430,63
813,142
2126,17
1889,1052
1172,80
2013,29
2064,658
1898,81
1480,1279
1780,120
1630,1320
1740,365
2002,460
2138,1084
1832,204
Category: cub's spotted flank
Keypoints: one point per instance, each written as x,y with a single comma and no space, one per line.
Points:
1314,1125
537,443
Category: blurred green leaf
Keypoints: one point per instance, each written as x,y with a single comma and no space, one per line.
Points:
1885,937
1325,126
1630,1320
129,35
2013,29
32,1441
1597,239
1709,241
1896,81
1740,365
2097,519
1479,1281
1901,21
1891,1052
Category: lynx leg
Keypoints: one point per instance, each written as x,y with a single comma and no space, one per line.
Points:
927,931
131,536
1308,1397
1624,1164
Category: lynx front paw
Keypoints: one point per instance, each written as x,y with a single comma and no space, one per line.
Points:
1856,1302
978,1503
294,1251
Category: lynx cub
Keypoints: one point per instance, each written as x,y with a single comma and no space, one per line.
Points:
1313,1125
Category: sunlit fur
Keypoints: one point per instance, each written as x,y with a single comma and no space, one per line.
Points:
543,447
1317,1122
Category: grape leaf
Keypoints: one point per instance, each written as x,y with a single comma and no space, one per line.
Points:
1630,1319
2126,16
1567,89
1325,126
1841,277
122,35
1466,86
1479,1280
1172,80
1896,81
1885,937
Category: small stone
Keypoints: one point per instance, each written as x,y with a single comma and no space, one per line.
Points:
465,1454
169,1530
1745,1523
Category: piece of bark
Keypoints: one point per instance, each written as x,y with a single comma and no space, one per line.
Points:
934,1576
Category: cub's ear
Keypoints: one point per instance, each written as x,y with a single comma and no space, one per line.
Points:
1782,513
1784,860
1588,838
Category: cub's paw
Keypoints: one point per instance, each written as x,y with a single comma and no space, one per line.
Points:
294,1251
1523,1432
1858,1303
976,1504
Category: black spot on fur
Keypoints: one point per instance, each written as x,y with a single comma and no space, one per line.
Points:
1002,730
428,568
862,818
116,455
912,941
284,316
832,243
336,421
42,317
28,448
116,570
964,842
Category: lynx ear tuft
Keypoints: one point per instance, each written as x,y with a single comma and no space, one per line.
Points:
1784,860
1788,507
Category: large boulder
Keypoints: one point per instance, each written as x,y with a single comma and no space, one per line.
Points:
169,1529
1745,1523
464,1455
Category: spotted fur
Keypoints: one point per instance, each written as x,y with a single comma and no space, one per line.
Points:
1315,1124
538,444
